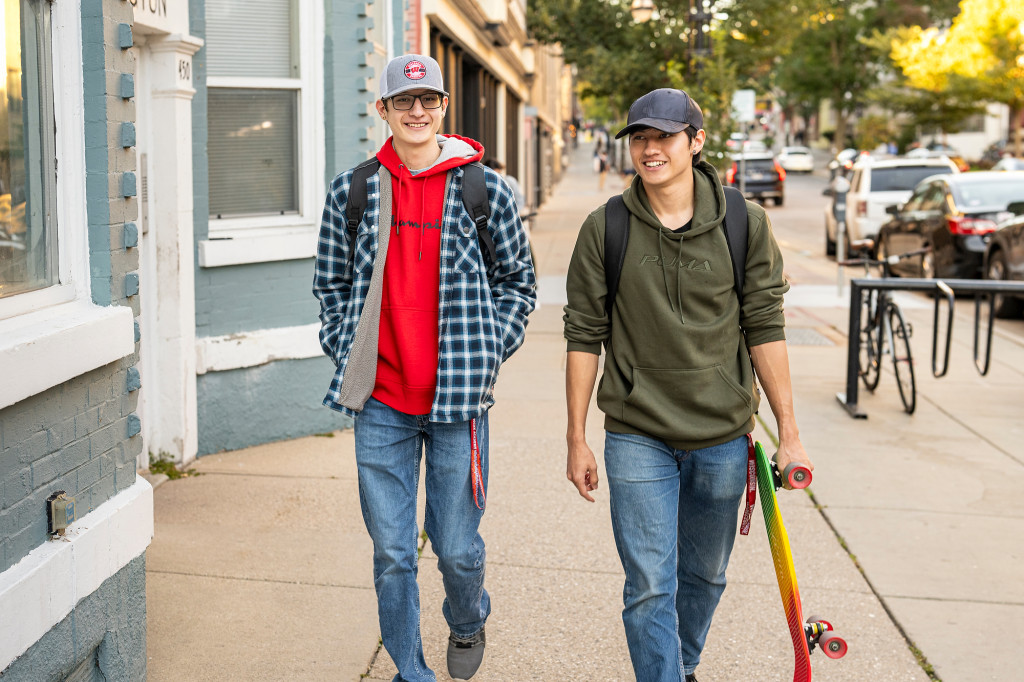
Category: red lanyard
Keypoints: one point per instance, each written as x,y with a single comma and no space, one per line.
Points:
475,469
751,486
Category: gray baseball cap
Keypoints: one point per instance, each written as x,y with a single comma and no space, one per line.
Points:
411,72
665,109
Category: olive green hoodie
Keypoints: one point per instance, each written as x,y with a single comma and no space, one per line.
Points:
677,367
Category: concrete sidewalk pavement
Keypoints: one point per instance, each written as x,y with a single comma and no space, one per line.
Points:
260,568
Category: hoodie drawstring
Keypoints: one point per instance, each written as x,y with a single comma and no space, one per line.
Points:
398,202
677,304
423,213
679,282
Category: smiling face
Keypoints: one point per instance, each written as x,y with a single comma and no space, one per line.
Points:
662,158
416,128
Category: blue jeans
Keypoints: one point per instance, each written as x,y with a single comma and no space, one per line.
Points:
388,448
674,515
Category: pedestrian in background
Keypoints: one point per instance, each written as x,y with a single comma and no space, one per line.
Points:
602,169
678,388
511,181
414,265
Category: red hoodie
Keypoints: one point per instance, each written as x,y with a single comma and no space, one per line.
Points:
408,343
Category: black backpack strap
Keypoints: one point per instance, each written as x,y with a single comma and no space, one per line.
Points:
356,204
736,236
616,235
477,205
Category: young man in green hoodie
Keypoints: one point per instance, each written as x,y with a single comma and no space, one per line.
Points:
678,387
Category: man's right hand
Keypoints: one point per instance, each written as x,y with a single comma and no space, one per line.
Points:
581,469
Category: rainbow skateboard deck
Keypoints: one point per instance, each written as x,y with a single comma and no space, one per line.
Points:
814,632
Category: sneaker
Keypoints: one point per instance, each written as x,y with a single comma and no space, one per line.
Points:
465,654
691,678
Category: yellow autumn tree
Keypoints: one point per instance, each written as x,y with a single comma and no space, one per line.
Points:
982,53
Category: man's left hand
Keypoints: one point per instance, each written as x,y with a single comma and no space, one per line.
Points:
791,451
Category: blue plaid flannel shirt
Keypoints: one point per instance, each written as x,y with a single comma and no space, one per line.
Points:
482,315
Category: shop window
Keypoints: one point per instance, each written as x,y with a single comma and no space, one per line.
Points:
28,225
50,328
263,111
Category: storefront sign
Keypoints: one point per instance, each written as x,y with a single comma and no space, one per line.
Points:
161,16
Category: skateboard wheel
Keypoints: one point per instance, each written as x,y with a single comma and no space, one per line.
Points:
833,645
797,475
815,619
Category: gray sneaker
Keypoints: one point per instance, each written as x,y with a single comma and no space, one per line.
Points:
465,654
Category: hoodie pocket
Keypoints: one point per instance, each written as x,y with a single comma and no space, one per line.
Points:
686,404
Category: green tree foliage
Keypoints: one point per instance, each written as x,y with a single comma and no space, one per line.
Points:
616,57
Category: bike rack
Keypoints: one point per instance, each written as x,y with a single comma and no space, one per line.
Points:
950,301
948,288
983,368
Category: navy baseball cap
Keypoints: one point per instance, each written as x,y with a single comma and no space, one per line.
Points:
666,109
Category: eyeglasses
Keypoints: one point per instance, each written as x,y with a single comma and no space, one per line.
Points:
429,100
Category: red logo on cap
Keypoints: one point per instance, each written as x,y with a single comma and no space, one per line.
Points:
415,71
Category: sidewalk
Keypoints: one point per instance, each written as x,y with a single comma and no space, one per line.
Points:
260,568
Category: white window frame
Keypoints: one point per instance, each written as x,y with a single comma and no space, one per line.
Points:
256,239
54,334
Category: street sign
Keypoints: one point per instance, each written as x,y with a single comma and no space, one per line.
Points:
743,106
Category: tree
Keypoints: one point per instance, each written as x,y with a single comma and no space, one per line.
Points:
832,61
616,57
981,54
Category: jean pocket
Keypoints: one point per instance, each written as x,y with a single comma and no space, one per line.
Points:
686,404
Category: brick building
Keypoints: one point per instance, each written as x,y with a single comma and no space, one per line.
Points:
69,345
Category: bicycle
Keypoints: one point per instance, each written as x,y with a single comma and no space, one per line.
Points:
884,331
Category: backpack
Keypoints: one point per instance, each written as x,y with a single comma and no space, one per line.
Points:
616,235
474,199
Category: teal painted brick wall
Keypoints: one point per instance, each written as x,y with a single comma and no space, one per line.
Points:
106,630
271,402
239,298
347,109
286,395
75,436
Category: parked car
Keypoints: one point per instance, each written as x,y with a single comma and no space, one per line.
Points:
763,177
953,215
1009,163
796,159
951,154
843,162
874,185
1004,260
994,152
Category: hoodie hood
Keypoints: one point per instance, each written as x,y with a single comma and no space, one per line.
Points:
455,151
708,203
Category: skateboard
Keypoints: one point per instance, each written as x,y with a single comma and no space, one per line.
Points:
814,631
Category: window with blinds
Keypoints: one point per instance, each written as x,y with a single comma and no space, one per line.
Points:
252,152
253,103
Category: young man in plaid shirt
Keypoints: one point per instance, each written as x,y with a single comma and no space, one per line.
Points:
418,321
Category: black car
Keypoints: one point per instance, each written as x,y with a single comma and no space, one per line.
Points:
1004,260
763,177
954,216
